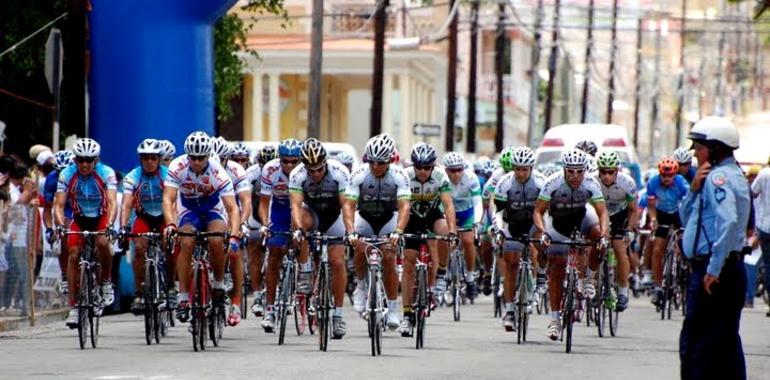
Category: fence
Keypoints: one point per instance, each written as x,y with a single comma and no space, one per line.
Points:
30,271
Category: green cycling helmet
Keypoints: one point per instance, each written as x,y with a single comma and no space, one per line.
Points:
608,159
506,159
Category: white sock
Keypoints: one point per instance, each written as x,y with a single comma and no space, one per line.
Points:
589,273
338,312
306,267
540,270
220,284
361,284
623,291
184,297
509,306
555,315
392,305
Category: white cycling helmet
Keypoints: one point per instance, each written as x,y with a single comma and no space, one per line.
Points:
63,158
344,158
167,149
683,155
197,143
86,148
523,156
380,148
574,158
149,146
454,160
220,147
715,129
240,149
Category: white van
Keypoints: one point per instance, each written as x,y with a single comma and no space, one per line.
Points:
605,136
331,149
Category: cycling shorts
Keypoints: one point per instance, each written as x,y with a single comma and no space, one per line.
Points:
421,225
590,220
83,223
665,222
368,228
465,219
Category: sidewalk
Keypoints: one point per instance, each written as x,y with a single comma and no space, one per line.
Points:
9,322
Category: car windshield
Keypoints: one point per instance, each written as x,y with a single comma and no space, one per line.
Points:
555,156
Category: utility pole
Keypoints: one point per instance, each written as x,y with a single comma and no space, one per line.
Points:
316,58
587,70
613,53
380,20
534,76
470,140
656,89
499,68
451,85
638,91
552,61
680,86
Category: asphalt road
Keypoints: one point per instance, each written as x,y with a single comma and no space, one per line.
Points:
477,347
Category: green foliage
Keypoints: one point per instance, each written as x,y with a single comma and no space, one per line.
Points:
229,38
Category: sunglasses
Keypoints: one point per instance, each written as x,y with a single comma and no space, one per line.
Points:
575,171
607,172
454,170
378,163
240,159
289,162
149,157
197,158
88,160
423,167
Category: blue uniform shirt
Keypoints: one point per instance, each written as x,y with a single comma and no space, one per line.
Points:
667,198
690,175
725,201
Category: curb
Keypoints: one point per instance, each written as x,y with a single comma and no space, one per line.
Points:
42,318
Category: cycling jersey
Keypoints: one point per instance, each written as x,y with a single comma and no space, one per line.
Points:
237,175
147,190
49,192
567,205
667,198
491,183
618,194
201,194
426,196
466,196
87,194
275,184
378,197
517,201
254,178
322,197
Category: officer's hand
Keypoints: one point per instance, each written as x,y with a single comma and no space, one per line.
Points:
708,281
703,171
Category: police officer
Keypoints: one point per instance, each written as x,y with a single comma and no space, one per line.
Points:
715,214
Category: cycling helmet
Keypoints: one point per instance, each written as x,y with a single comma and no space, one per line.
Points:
149,146
608,159
587,146
506,159
267,153
454,160
488,166
548,169
668,166
591,165
290,148
395,158
240,149
167,149
86,148
220,147
649,173
197,143
574,158
313,152
345,158
423,154
523,157
380,148
683,155
63,158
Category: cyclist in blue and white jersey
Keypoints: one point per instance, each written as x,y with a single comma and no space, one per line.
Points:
683,157
62,159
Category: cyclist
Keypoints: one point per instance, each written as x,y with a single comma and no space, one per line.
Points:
683,157
199,196
241,154
62,159
619,191
266,154
515,197
466,196
566,196
432,211
377,205
143,197
90,188
254,246
346,159
168,151
222,149
665,192
317,192
487,197
590,148
274,206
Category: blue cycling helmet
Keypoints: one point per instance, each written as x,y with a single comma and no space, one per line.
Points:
290,148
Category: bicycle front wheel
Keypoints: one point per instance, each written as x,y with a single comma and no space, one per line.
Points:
568,316
323,309
422,306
